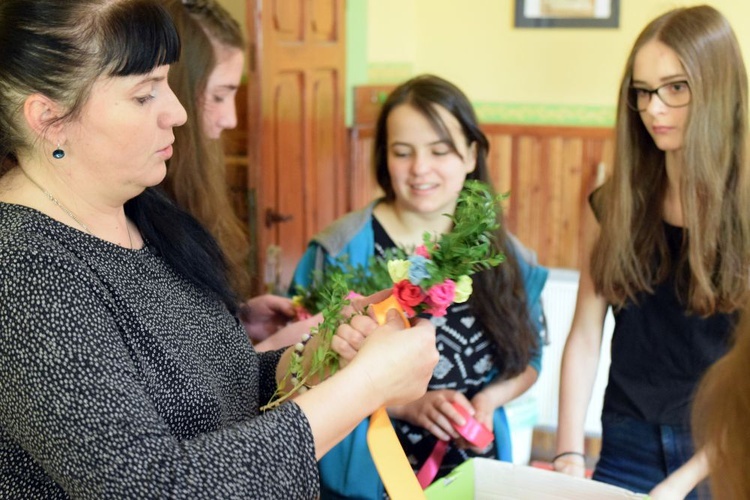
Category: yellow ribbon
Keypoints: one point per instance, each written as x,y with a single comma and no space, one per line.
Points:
390,460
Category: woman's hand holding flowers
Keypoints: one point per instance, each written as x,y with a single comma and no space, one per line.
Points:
398,361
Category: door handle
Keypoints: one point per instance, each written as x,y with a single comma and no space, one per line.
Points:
274,217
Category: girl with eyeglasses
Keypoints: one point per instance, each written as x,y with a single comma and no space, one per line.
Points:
670,253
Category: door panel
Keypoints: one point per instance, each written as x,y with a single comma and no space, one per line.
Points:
324,149
285,164
296,106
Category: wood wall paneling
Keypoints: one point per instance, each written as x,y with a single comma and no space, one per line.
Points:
548,172
368,100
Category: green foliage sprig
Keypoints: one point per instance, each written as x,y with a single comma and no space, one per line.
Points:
468,247
324,361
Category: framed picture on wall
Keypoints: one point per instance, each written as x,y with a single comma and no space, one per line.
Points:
567,13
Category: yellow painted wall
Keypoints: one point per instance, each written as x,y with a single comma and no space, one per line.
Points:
525,75
236,8
474,44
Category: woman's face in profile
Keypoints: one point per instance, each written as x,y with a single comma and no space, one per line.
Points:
124,135
218,106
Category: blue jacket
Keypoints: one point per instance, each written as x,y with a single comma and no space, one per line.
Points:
347,471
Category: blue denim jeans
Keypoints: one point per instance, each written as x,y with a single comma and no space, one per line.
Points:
638,455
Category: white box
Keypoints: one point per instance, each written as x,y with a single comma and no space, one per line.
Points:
487,479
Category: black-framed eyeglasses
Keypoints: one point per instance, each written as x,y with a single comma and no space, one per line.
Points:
673,94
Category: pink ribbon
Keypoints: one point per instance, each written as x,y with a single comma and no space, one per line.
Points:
472,431
430,468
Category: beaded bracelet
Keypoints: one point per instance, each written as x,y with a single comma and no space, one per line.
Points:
297,375
566,453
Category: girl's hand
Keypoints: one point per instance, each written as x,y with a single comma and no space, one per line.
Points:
290,334
264,315
350,337
667,491
435,412
572,465
483,412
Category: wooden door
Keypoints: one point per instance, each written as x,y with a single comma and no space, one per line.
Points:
296,140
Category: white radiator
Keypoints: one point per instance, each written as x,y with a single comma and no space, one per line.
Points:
559,300
539,405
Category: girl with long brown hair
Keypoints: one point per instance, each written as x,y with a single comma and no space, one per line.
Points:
721,416
206,79
212,47
670,253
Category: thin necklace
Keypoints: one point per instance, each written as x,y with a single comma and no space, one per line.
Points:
68,212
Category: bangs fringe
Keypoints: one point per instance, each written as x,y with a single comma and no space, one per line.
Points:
142,38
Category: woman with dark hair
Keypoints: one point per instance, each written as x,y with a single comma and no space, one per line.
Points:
124,369
427,143
670,254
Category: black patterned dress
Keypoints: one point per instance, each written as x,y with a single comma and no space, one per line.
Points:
121,379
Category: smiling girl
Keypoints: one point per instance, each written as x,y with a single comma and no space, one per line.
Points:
427,143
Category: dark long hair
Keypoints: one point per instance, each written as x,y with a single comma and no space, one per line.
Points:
183,242
59,49
499,298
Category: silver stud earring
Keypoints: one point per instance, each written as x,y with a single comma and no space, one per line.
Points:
58,154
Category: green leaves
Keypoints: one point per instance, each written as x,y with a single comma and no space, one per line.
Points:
323,361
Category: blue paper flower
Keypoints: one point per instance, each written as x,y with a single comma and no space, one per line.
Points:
417,269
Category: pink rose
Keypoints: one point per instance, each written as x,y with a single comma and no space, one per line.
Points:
434,310
439,297
408,296
422,250
302,313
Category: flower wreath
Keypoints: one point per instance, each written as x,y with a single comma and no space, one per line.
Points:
426,280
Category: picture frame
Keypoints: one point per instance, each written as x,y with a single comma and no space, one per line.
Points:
567,14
